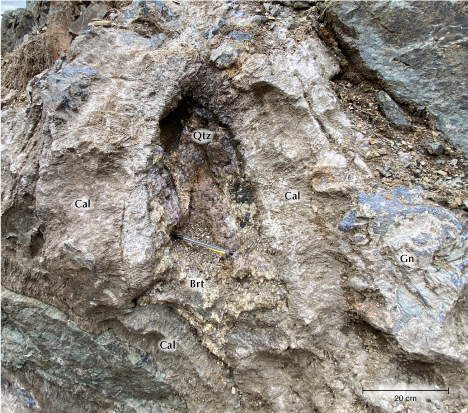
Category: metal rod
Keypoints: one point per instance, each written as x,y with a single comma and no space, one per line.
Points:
211,247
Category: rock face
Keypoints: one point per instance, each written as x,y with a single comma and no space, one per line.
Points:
18,23
422,65
345,287
59,20
95,11
124,373
411,234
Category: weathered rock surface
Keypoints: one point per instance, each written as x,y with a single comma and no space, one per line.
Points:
391,110
296,4
95,11
435,148
404,226
18,23
101,369
417,51
315,305
225,56
60,18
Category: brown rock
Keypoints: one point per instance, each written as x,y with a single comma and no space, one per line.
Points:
313,285
59,20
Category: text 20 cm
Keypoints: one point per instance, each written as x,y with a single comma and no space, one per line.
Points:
401,398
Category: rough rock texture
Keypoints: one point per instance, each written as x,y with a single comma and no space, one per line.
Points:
391,110
95,11
59,20
403,226
112,371
225,56
18,23
417,51
315,305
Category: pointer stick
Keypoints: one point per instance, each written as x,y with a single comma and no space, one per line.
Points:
211,247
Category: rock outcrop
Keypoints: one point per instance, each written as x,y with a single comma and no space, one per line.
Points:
19,23
352,284
417,51
113,375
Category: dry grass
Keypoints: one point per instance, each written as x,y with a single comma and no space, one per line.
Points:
26,61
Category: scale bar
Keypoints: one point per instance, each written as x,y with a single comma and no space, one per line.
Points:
403,390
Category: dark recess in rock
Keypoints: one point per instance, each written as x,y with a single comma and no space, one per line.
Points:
171,126
37,241
243,192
